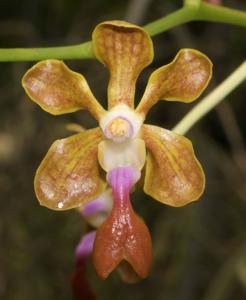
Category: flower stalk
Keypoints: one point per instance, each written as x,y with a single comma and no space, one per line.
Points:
191,11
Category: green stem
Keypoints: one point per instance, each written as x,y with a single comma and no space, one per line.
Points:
31,54
220,14
213,99
192,10
197,12
174,19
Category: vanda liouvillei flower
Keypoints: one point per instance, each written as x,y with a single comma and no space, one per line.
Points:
73,172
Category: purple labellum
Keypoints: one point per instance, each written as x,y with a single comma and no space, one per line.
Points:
95,206
85,246
95,212
79,281
122,179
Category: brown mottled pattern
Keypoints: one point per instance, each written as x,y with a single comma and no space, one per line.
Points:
173,174
125,49
58,90
69,174
184,79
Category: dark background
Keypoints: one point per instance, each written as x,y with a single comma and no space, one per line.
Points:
200,249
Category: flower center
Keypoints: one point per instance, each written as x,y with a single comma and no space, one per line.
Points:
121,123
119,129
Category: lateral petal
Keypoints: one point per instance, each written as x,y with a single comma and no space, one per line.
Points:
173,174
69,174
59,90
126,50
184,79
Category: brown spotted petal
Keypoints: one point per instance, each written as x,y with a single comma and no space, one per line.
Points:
173,174
58,90
125,49
184,79
69,174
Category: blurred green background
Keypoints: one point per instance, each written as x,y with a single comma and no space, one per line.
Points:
200,249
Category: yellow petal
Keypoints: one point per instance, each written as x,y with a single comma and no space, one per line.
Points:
126,50
173,174
69,174
58,90
184,79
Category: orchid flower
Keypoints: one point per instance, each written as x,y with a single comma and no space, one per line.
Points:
78,169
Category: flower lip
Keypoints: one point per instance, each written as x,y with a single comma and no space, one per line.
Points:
121,123
123,236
